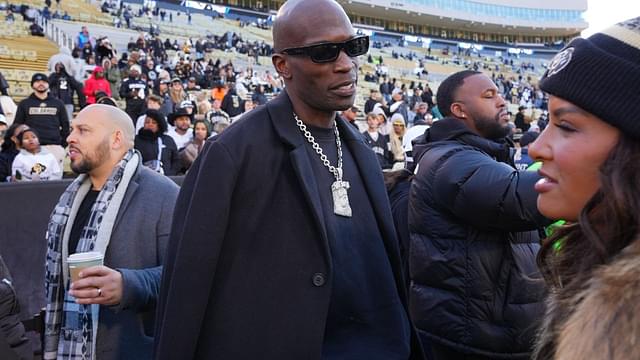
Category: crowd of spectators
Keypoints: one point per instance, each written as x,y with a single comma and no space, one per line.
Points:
165,76
154,80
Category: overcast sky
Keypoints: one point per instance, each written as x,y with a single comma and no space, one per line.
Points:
602,13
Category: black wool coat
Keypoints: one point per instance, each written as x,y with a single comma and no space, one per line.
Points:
248,274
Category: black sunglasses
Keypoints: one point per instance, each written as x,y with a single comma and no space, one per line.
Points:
329,52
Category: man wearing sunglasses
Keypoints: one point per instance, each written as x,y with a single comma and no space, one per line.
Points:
283,245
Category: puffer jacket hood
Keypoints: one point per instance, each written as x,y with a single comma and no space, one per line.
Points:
454,129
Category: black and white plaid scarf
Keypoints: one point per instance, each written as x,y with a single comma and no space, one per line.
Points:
70,328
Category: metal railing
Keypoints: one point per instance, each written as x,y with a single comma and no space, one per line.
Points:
55,34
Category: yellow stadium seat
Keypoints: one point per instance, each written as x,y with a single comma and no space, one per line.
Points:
9,74
17,54
20,89
5,53
30,55
23,75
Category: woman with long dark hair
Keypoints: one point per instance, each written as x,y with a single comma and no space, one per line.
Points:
591,178
9,150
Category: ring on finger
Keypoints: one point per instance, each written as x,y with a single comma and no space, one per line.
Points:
99,292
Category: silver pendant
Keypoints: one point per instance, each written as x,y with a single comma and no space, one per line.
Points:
341,198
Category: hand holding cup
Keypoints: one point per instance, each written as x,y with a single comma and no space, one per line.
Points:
97,285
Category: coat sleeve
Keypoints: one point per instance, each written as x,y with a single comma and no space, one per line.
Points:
197,236
170,157
488,194
140,289
124,90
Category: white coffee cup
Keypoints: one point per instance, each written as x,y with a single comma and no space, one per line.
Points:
79,261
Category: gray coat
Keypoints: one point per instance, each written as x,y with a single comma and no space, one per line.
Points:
137,249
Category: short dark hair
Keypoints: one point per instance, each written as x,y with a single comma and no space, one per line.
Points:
156,98
21,134
447,89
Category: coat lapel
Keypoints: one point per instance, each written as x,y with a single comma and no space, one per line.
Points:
128,195
281,114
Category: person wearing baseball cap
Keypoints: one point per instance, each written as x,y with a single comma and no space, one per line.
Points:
350,116
399,106
192,87
39,77
134,91
589,153
47,115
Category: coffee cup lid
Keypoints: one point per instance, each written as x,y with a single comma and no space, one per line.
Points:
85,256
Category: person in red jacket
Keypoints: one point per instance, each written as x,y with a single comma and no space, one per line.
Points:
96,82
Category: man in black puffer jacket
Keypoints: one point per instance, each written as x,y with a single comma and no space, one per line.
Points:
473,227
12,332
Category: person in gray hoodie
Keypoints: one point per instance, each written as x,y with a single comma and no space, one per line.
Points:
64,57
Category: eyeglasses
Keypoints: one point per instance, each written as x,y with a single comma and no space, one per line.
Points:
329,52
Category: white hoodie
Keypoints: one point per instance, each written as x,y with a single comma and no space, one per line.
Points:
33,167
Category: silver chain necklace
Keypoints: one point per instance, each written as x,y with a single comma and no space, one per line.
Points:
338,188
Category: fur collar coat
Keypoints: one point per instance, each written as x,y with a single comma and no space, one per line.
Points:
603,320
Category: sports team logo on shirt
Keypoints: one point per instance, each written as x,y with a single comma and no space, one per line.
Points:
43,110
38,169
560,61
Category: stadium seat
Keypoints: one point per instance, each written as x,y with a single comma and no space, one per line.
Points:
5,53
20,90
23,75
9,74
17,54
30,55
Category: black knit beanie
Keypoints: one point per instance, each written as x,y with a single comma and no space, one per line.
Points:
601,74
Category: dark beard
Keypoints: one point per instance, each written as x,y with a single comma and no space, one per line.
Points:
87,164
491,128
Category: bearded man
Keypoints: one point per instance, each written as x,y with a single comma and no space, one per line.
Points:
473,227
123,210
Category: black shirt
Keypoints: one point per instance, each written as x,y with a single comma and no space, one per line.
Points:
366,319
48,117
81,220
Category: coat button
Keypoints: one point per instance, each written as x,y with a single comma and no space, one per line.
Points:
319,279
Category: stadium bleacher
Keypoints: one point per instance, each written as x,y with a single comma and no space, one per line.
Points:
21,57
31,55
